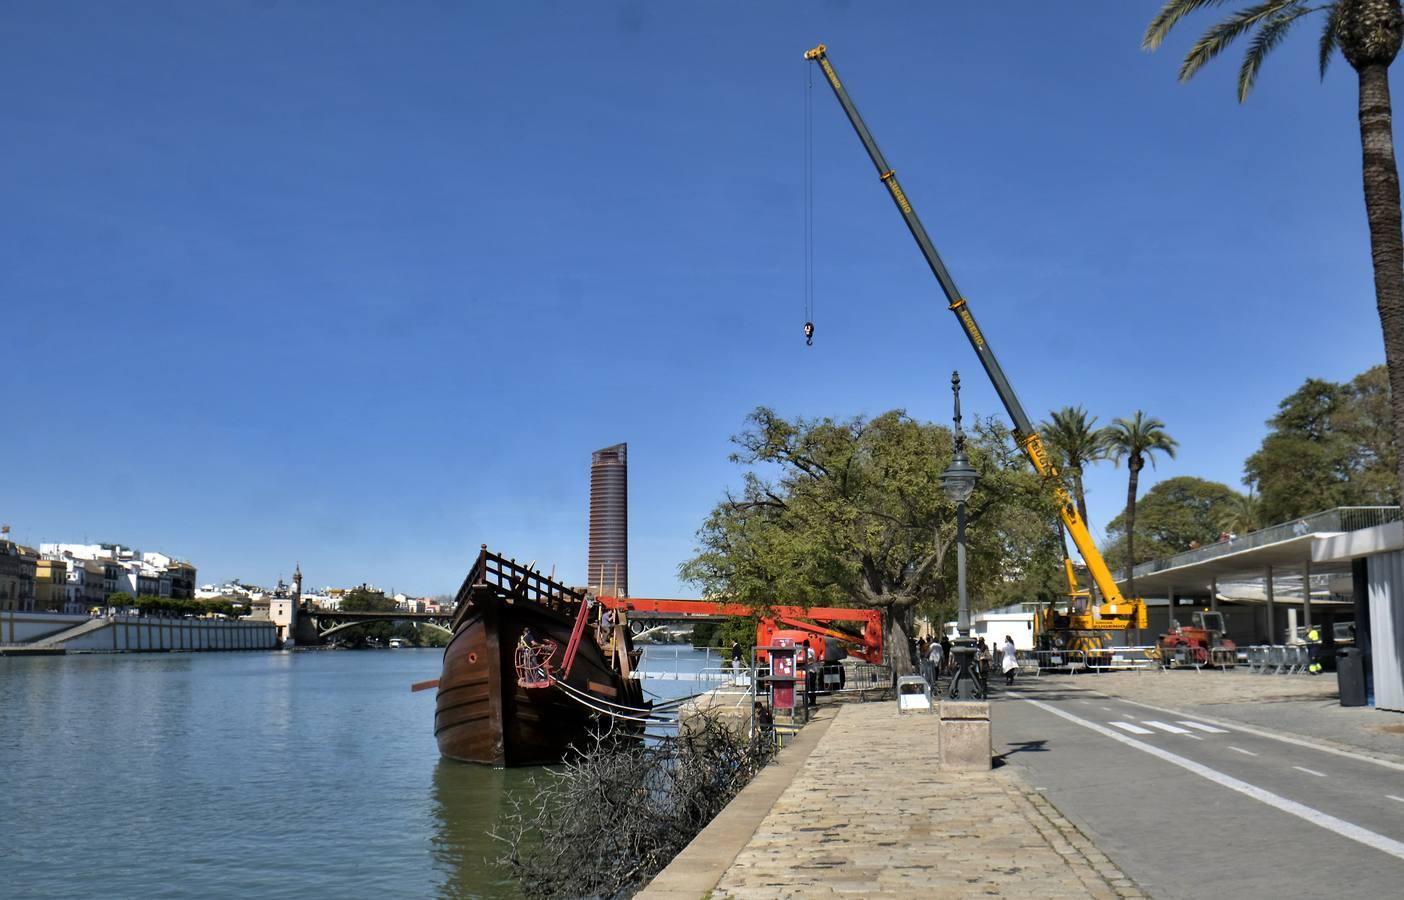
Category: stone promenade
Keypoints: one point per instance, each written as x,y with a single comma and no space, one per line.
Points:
868,814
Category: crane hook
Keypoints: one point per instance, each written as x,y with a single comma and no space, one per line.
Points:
809,334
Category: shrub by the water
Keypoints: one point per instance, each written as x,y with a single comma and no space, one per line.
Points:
608,821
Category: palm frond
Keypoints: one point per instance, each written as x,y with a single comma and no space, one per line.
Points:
1330,36
1217,38
1171,13
1268,36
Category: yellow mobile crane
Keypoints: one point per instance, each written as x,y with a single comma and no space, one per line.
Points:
1082,623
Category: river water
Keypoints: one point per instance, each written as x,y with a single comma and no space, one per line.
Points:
284,774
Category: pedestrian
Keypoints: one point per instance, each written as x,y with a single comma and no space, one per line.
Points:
736,655
1313,639
946,651
935,655
811,675
1011,660
982,659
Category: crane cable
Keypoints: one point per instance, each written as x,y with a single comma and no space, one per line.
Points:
808,189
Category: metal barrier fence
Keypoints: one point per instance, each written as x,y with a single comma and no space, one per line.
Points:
1119,659
864,679
1040,661
1279,659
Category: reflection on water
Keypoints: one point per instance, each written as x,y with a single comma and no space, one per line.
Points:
468,800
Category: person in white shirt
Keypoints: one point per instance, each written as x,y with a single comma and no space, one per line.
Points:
936,655
1010,663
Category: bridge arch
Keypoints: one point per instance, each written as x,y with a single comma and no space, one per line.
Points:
354,623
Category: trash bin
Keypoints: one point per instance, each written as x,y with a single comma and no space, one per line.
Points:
1350,676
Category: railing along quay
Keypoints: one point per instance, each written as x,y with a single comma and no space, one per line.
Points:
1342,518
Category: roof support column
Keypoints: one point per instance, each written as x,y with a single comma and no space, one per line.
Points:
1214,594
1306,594
1271,629
1170,608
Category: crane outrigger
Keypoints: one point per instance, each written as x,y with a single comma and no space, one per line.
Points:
1115,612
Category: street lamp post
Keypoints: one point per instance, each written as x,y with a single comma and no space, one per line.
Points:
958,481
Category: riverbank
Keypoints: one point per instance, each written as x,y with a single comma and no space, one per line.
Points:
27,633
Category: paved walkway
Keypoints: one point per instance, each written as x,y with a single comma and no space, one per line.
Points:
868,814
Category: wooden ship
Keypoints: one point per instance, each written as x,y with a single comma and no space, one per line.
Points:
530,671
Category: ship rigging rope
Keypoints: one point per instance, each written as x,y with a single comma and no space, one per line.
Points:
647,712
586,701
808,190
635,709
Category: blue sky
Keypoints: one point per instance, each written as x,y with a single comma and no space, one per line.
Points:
363,284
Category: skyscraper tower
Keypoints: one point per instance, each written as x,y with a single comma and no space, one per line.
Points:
609,521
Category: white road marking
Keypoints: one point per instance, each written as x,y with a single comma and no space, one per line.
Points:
1202,727
1273,735
1392,797
1173,729
1241,750
1134,729
1315,816
1310,771
1107,708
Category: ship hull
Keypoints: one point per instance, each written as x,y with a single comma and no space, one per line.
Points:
483,715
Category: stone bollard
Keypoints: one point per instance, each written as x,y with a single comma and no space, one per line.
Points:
965,736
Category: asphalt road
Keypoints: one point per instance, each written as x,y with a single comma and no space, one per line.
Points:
1190,808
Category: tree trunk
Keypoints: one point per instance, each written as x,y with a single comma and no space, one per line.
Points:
1381,177
1131,525
899,655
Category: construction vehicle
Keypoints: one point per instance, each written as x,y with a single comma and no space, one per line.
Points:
1202,643
1089,624
796,622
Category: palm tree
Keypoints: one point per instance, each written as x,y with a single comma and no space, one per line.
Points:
1244,514
1368,33
1075,441
1137,439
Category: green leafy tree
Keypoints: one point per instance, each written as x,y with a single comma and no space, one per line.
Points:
119,600
855,516
1136,440
1074,440
1329,445
1368,33
363,599
1243,514
1174,515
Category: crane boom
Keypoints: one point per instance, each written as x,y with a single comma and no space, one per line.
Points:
1024,432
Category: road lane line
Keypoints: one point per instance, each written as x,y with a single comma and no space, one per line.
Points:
1173,729
1271,735
1241,750
1107,708
1316,817
1392,797
1134,729
1310,771
1202,727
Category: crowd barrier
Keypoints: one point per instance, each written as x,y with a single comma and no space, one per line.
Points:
1119,659
1039,661
1278,659
864,679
